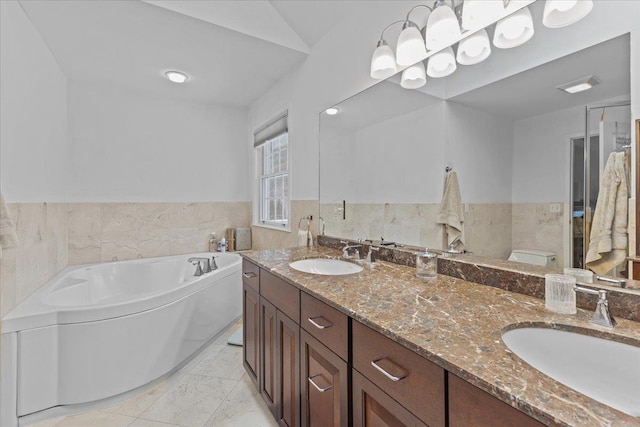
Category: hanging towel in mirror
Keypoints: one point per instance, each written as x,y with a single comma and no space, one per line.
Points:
608,240
450,214
8,236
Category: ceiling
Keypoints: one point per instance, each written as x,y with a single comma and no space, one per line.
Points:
533,92
233,51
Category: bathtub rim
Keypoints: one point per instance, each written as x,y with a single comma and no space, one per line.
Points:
33,313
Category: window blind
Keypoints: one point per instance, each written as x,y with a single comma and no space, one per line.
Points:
274,128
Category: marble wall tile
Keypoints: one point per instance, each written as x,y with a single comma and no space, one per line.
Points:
267,238
534,226
98,232
42,251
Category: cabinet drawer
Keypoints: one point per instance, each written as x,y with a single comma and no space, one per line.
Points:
284,296
251,275
414,382
471,407
325,323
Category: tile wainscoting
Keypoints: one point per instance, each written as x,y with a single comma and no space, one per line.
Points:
100,232
42,250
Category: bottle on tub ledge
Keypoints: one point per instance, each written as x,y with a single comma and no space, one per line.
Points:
222,245
213,243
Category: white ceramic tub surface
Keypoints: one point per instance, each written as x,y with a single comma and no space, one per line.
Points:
96,331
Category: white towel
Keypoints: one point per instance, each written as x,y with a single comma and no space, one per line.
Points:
8,236
302,237
608,240
451,215
309,238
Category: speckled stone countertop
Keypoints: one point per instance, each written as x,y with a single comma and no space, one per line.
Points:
458,325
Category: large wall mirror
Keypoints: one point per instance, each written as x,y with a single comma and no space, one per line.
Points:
517,146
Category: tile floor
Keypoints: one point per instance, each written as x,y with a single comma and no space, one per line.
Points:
211,390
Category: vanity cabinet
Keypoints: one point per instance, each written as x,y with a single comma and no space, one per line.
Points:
280,346
409,379
324,372
471,407
251,321
374,408
316,367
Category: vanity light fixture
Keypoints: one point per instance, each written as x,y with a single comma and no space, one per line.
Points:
474,49
579,85
414,77
176,76
442,64
560,13
332,111
513,27
514,30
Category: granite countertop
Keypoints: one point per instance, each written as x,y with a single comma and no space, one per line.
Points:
458,325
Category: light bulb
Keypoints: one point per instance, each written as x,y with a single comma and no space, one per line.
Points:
383,62
413,77
332,111
176,76
410,48
442,64
474,49
479,13
514,30
442,28
560,13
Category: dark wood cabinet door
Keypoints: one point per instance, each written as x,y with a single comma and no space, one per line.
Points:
415,382
251,333
288,371
471,407
324,384
268,335
374,408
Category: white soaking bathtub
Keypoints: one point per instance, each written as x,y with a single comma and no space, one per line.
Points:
96,331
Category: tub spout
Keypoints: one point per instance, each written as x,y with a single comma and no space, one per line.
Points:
200,262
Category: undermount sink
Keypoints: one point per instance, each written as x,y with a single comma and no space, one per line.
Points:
327,267
605,370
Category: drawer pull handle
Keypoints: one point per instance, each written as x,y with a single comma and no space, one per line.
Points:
326,325
385,373
320,389
249,275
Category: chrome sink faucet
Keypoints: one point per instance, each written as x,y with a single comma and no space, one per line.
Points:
345,250
602,316
370,257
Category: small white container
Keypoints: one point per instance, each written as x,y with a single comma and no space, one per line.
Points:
584,276
426,265
559,293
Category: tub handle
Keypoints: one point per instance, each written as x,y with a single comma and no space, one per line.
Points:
326,324
320,389
249,275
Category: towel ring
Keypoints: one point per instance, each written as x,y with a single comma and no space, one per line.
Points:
308,222
448,169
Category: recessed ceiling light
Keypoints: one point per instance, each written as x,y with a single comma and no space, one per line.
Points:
579,85
332,111
176,76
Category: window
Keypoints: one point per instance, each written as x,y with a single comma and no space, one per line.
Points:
272,154
274,181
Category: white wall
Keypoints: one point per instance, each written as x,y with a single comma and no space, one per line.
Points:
338,67
134,146
401,160
33,113
541,151
479,146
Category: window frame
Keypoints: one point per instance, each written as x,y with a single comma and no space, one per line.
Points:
261,180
